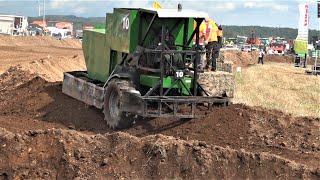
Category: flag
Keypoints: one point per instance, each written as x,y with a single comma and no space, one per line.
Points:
156,5
301,42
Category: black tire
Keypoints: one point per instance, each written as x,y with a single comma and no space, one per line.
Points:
115,117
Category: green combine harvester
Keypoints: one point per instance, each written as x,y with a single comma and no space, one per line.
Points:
141,64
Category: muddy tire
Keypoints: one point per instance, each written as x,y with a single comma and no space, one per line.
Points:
113,114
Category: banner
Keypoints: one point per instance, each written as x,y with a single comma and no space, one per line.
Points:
156,5
301,42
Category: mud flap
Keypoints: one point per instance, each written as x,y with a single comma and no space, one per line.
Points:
78,87
131,102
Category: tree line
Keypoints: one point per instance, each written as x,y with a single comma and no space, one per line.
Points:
264,32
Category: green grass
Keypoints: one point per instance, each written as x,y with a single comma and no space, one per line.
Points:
281,87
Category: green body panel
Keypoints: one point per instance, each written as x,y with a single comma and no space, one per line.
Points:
96,54
118,32
151,81
103,48
134,30
171,23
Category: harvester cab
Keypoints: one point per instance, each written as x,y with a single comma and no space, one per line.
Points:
137,66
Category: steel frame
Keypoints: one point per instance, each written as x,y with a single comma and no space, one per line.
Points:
172,102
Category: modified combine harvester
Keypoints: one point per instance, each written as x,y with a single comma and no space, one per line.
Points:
140,65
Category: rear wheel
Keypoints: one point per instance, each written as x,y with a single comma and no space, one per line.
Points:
113,113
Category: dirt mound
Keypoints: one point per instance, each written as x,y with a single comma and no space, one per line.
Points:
65,154
51,69
41,55
230,142
279,58
28,101
14,77
241,127
244,59
37,41
240,58
37,104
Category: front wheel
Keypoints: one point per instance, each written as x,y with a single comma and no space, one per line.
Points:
114,115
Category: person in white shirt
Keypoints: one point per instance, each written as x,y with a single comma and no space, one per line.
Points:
261,54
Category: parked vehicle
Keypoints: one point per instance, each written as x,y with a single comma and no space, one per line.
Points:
60,33
79,34
231,48
246,48
277,48
35,31
65,25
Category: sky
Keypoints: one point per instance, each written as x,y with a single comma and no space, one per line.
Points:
271,13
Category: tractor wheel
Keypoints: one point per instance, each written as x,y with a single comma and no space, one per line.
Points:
113,114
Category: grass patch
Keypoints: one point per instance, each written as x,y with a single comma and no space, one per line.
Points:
279,86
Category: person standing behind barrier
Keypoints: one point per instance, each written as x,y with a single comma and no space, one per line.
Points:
219,36
211,42
202,33
261,54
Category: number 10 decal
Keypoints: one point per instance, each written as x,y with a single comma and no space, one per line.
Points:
179,74
125,23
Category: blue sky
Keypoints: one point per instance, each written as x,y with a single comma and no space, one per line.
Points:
274,13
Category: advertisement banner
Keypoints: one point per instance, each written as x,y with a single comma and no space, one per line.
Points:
301,42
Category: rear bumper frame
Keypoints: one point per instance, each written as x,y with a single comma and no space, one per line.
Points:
77,85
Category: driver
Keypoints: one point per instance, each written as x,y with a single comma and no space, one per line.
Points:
176,57
173,57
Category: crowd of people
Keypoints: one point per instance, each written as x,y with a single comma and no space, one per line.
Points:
210,41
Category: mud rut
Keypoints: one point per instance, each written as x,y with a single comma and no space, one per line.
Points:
46,134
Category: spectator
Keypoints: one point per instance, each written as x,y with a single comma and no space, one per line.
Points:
211,42
219,36
202,33
261,54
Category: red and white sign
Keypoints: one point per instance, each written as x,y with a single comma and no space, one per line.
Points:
303,22
306,14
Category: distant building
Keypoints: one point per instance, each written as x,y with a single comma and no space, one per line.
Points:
38,24
12,24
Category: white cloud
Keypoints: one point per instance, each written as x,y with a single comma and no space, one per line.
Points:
81,10
225,6
208,6
311,1
283,8
249,5
75,6
273,5
128,3
55,4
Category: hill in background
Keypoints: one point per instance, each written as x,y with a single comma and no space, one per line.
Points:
229,31
287,33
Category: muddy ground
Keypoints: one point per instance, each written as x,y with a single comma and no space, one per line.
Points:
45,134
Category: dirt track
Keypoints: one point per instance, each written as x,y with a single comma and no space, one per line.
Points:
245,59
46,134
36,53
